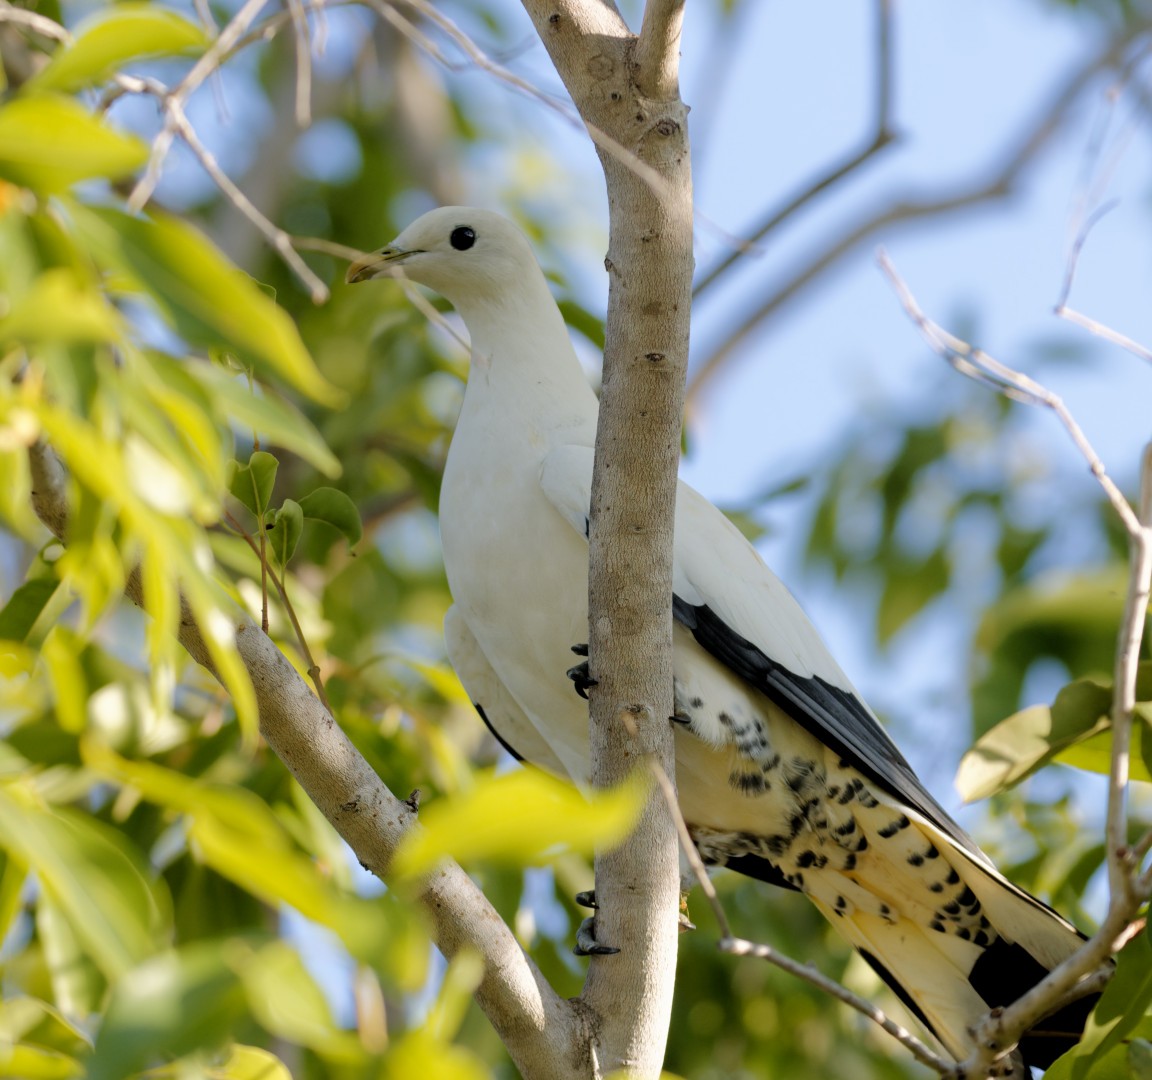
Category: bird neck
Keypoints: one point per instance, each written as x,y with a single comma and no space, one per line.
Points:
520,340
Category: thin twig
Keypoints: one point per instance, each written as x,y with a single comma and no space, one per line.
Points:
905,210
279,240
174,102
418,299
301,640
41,24
919,1050
303,63
1128,888
880,136
978,365
480,59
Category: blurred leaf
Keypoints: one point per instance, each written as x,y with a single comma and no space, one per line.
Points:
103,893
252,484
76,982
60,306
908,589
334,507
29,1062
49,142
276,421
24,606
105,41
1140,1059
207,299
518,817
250,1063
418,1053
171,1005
286,1000
1021,744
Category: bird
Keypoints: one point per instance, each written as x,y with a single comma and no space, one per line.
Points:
783,773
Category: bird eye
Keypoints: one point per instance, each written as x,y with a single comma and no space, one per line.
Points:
462,238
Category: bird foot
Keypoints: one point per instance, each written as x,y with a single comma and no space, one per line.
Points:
586,943
579,674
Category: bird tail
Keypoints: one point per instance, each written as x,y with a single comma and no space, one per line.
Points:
948,980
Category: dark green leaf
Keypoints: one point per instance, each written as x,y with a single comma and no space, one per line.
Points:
252,484
24,606
284,531
334,507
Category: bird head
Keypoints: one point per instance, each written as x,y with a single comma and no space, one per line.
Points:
461,252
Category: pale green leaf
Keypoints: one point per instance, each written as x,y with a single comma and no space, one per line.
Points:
286,1001
250,1063
170,1005
30,1062
208,301
1019,745
518,817
103,894
419,1053
49,142
276,421
60,306
107,40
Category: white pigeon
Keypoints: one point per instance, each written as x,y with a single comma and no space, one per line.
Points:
783,772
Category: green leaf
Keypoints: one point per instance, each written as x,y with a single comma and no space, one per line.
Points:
100,890
171,1005
283,533
252,484
1094,754
104,42
1018,746
517,817
285,999
275,420
208,300
60,306
24,606
337,509
48,143
420,1053
30,1062
251,1063
1118,1014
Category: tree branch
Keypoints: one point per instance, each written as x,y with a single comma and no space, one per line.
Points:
907,209
544,1034
658,49
1128,888
880,136
633,492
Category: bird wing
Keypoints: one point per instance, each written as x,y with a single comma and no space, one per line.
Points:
499,710
743,615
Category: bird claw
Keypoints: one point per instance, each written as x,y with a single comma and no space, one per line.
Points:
586,943
582,680
587,899
580,650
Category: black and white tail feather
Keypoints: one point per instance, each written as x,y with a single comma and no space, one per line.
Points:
782,772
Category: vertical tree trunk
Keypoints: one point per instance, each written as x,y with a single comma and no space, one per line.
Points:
625,87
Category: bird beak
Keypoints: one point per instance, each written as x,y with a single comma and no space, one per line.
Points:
369,266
